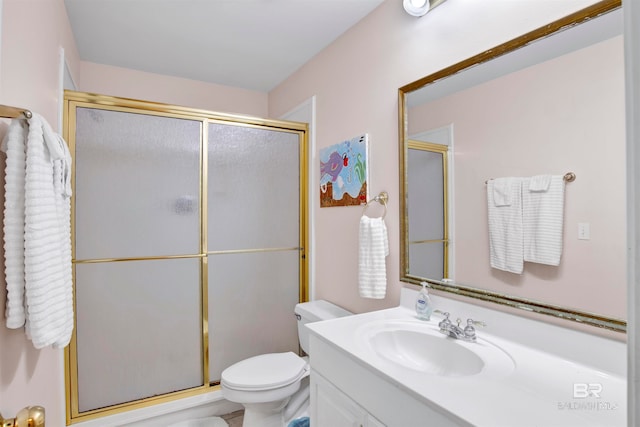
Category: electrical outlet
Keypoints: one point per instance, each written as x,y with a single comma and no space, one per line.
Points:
584,232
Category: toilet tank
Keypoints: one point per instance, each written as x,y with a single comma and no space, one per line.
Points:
315,311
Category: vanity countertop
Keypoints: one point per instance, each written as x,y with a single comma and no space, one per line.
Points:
539,389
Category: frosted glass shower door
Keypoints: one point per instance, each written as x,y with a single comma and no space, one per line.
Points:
253,242
139,330
137,256
137,186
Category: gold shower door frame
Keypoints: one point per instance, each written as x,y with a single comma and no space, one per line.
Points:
443,151
73,100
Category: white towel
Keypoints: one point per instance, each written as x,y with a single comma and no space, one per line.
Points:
538,182
543,214
501,192
38,233
14,145
505,226
373,250
47,240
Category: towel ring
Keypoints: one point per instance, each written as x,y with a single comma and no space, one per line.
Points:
381,198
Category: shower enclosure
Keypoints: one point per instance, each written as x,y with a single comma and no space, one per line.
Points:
189,229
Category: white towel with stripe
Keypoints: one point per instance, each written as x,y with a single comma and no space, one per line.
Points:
505,224
543,215
372,253
47,239
14,145
38,233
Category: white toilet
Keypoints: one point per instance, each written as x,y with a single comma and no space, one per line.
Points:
274,387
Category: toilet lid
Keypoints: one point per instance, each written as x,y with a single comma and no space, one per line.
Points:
265,371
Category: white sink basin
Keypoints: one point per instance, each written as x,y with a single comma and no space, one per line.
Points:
426,353
419,346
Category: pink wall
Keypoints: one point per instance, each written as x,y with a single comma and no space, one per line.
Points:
32,33
356,80
126,83
566,114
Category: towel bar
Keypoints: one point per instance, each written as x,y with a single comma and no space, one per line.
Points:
12,113
568,177
31,416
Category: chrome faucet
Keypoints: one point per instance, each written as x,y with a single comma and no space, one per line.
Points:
468,333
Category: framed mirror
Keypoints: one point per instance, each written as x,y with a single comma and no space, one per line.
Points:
544,104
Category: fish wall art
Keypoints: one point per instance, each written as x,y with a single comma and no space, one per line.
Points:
344,173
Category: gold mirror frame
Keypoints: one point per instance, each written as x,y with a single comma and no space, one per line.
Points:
586,318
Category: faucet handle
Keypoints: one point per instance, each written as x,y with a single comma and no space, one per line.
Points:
444,323
470,331
471,322
446,316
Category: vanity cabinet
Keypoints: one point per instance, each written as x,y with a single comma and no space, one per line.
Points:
332,408
355,381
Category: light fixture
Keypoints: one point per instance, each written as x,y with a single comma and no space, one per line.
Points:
420,7
416,7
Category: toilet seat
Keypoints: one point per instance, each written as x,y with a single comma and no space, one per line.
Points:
265,372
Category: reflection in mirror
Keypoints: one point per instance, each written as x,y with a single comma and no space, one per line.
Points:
546,103
427,203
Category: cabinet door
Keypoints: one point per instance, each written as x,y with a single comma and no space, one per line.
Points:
333,410
330,407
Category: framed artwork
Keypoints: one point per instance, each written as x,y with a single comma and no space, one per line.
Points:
344,173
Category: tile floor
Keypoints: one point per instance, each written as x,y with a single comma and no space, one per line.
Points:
234,419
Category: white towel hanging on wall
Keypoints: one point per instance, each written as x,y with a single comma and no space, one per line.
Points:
46,234
505,224
526,224
372,253
14,145
542,217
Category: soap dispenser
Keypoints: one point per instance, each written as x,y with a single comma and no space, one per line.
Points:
423,303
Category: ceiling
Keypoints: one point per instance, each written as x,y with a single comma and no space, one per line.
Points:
251,44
